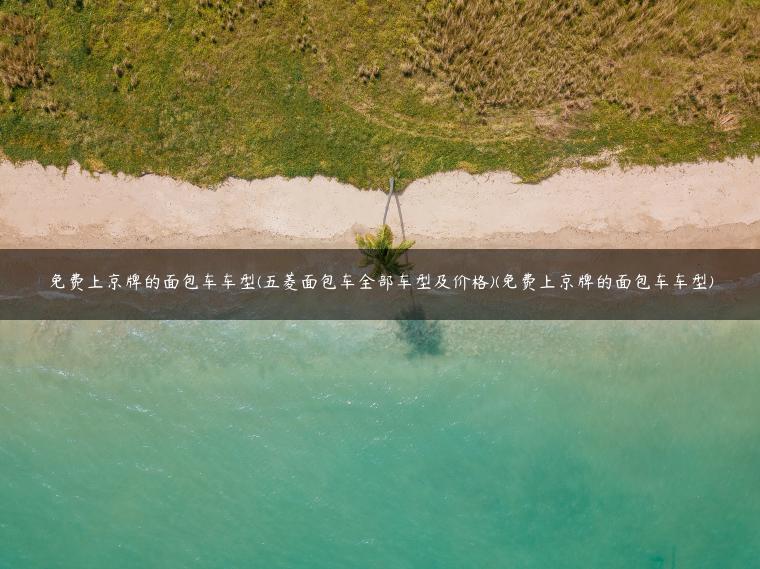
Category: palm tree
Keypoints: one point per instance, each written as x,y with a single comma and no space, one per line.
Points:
423,336
382,254
378,249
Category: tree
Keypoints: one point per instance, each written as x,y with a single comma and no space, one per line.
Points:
423,336
382,254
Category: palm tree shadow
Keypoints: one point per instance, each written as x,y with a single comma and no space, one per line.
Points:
423,337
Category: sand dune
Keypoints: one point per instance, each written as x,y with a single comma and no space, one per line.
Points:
704,205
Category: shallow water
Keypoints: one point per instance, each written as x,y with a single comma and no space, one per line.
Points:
364,445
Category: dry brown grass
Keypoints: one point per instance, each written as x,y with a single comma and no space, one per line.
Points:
688,57
19,65
227,14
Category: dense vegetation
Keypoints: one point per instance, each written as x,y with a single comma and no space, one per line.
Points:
362,89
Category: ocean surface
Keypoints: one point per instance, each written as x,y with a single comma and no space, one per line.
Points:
317,445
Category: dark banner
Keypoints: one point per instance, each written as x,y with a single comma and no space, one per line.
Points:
306,284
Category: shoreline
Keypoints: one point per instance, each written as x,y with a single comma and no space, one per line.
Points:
702,205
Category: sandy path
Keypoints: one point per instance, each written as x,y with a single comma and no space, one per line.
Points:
691,205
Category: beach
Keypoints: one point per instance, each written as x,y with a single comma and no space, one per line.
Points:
702,205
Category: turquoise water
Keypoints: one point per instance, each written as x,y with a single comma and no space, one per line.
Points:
357,445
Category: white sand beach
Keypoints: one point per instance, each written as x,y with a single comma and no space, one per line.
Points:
706,205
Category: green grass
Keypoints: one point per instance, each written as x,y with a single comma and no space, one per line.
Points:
254,105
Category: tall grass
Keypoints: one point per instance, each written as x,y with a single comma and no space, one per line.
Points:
19,63
364,89
691,58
